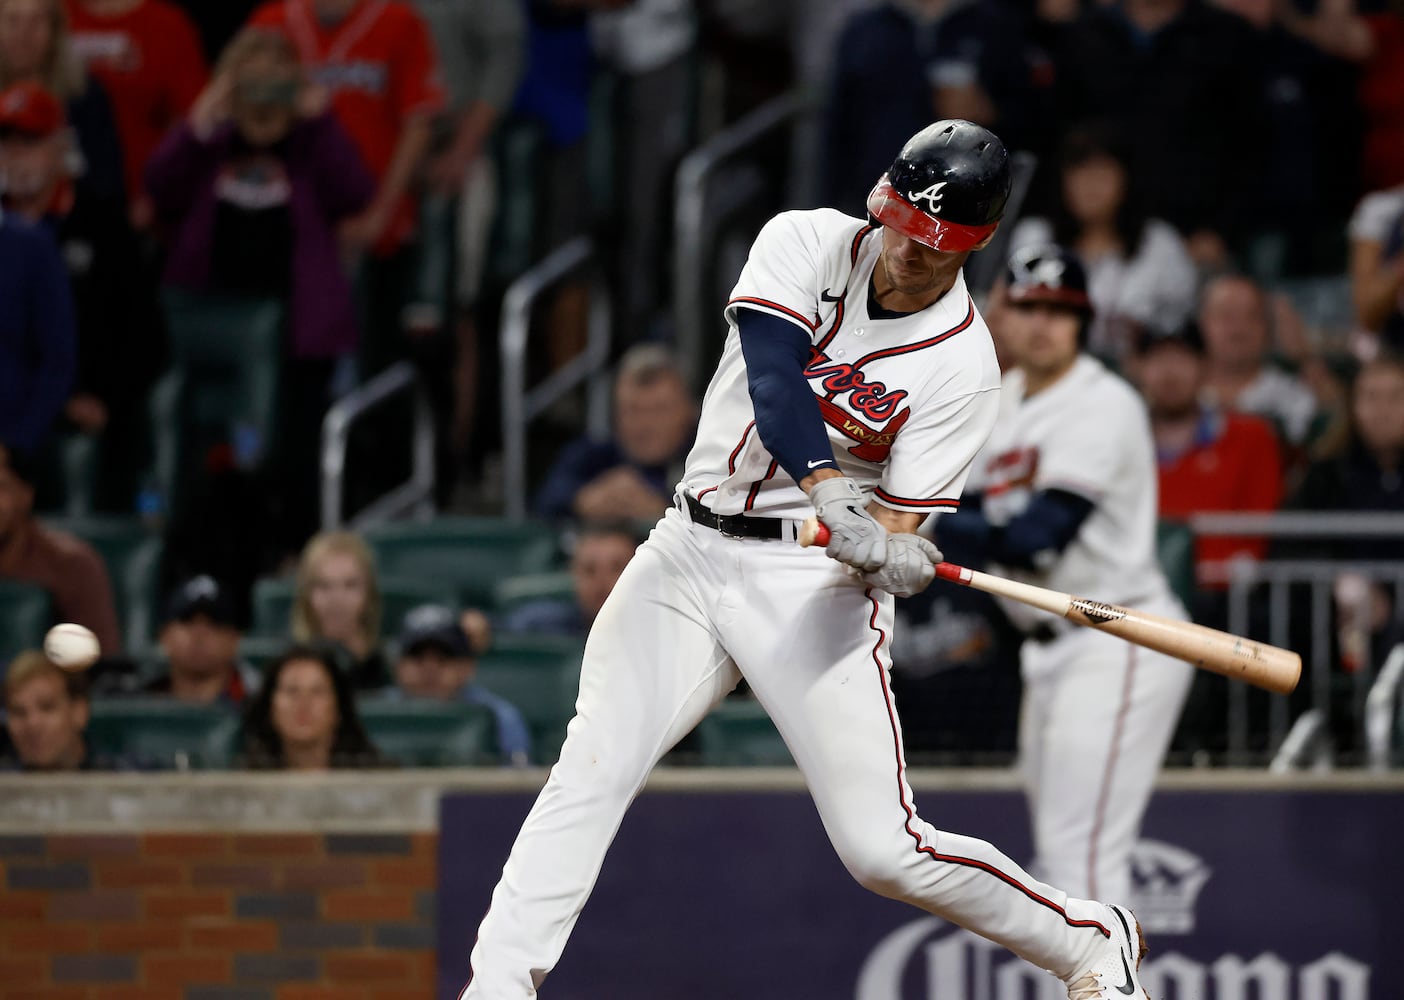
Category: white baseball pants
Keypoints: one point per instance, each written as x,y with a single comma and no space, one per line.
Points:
693,613
1097,717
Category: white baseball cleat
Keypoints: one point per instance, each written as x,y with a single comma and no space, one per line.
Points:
1113,975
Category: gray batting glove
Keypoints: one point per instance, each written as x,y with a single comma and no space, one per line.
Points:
855,537
910,566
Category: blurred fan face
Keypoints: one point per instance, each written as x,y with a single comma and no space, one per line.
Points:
26,35
265,96
596,566
304,704
1170,376
1379,407
652,418
1234,322
46,725
339,594
1094,189
1043,338
199,647
428,672
30,165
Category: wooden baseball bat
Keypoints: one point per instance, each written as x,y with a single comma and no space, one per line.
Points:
1257,663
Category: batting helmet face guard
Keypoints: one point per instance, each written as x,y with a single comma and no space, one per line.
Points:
1048,275
947,188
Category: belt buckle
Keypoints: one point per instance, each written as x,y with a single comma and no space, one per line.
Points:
727,533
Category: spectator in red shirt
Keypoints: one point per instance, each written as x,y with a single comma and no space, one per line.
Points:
378,62
148,56
1209,460
35,47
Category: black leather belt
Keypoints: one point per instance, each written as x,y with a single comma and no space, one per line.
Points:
739,525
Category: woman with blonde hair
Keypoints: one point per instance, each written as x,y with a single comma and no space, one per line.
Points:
35,46
338,603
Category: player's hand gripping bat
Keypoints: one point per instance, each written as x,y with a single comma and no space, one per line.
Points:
1265,666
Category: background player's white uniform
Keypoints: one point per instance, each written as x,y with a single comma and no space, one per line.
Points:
908,403
1098,712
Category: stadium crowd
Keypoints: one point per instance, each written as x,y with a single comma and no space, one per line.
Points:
361,179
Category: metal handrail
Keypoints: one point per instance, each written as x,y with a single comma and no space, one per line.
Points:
520,405
1308,742
1307,524
1381,707
690,218
416,494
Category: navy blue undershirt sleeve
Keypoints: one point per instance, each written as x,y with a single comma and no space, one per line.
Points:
787,414
1045,528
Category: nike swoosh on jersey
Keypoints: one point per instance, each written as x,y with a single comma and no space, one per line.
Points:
827,297
822,461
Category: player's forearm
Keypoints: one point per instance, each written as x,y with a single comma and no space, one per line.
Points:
787,414
897,522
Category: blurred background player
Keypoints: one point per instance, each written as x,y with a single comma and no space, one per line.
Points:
1066,499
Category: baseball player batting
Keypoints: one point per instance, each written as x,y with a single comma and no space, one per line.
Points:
1064,497
857,383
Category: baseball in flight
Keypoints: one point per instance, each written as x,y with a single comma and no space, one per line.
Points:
72,647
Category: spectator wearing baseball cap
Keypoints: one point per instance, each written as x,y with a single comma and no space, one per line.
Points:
117,319
437,661
1209,459
200,640
64,565
38,344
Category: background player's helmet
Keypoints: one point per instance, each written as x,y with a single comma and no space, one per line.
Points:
947,187
1049,274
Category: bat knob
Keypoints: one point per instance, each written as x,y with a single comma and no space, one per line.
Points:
813,532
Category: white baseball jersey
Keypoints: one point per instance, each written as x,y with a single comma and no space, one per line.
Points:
1088,434
907,401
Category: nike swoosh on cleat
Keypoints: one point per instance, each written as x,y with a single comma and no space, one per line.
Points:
827,297
1127,989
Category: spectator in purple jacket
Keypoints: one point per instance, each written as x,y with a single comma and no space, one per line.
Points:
252,188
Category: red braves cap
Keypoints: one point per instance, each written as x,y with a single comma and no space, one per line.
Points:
27,107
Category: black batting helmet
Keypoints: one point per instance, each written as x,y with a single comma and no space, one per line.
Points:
1049,275
947,187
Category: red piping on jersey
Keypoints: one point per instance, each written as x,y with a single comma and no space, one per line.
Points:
1104,792
921,848
755,487
751,300
882,494
838,321
857,242
922,344
709,489
731,460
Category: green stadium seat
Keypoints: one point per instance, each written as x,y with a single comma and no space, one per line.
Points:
273,600
515,591
260,650
431,733
738,733
132,555
26,613
540,675
163,733
468,554
1174,546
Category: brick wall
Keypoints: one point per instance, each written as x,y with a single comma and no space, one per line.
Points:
177,916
